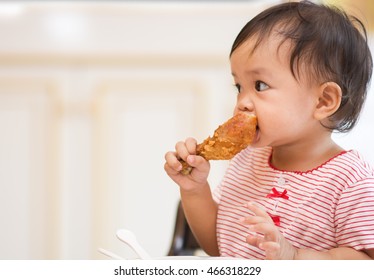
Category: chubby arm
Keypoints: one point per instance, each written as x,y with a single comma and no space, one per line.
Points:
340,253
197,201
266,236
201,212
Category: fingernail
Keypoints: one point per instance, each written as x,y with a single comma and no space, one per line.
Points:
190,159
242,219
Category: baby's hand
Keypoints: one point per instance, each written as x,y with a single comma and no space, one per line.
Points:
187,151
267,236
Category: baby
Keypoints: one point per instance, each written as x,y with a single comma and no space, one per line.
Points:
303,69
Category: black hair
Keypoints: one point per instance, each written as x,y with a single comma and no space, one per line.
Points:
326,39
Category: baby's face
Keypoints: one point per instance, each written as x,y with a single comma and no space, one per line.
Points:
283,104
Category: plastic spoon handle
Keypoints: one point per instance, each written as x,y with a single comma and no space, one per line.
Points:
130,239
109,254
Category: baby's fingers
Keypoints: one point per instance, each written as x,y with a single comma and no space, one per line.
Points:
200,166
258,211
172,164
191,144
186,148
254,240
272,249
252,220
269,230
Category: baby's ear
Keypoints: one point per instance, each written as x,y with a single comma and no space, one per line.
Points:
329,99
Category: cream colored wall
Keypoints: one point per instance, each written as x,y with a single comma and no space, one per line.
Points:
92,95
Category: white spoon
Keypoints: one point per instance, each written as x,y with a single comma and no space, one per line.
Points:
109,254
130,239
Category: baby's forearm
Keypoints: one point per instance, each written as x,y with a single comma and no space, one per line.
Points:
340,253
201,213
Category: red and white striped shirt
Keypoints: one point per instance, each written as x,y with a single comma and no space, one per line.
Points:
327,207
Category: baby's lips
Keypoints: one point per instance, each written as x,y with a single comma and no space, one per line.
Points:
257,135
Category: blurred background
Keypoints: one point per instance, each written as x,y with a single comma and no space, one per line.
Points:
92,95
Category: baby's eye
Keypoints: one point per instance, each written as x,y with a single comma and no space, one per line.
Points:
260,86
238,87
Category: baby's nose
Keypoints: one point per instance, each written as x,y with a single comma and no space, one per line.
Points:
245,104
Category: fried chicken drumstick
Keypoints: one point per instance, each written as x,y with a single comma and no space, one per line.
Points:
228,140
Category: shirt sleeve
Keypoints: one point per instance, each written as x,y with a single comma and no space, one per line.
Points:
354,216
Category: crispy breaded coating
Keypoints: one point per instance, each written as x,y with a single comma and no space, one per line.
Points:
228,139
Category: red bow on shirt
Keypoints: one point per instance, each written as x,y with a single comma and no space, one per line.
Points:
278,194
276,219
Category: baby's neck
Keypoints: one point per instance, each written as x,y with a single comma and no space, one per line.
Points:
304,158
